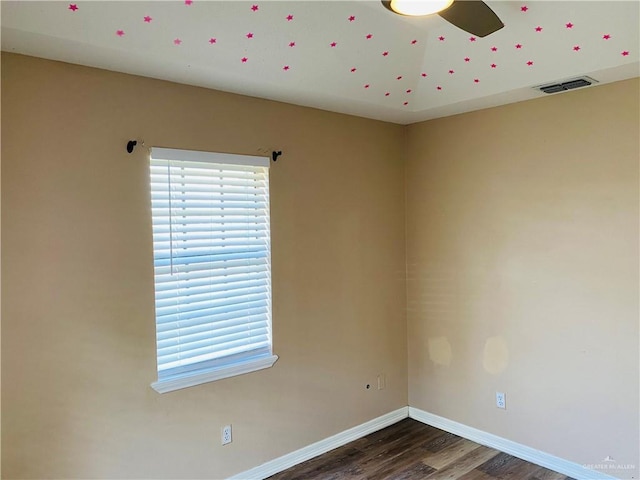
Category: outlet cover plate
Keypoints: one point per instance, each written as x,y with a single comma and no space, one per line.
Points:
226,435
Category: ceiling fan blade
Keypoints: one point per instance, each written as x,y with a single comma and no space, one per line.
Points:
473,16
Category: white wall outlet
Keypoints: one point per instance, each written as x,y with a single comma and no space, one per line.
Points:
226,435
382,381
501,400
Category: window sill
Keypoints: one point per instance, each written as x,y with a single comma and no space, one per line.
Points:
197,378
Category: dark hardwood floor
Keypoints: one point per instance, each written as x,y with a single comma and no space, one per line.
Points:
410,450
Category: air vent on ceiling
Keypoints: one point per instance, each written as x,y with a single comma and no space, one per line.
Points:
566,85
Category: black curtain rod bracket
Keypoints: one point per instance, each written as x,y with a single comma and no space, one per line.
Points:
275,155
131,144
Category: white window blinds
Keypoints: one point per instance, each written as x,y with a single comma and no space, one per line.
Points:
211,244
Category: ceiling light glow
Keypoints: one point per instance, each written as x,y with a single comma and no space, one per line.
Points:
419,7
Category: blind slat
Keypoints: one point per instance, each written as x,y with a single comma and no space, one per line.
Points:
230,282
175,323
187,308
204,315
176,362
207,262
169,330
231,274
206,288
203,343
206,295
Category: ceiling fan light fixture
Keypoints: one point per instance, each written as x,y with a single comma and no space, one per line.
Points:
416,8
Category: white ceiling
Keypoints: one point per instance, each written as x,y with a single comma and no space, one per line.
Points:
431,68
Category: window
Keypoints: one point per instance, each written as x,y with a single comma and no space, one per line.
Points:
212,265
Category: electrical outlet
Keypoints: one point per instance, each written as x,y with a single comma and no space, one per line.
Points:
382,381
226,435
501,400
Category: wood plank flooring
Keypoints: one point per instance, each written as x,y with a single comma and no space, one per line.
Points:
410,450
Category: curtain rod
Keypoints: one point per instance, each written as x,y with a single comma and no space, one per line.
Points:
131,145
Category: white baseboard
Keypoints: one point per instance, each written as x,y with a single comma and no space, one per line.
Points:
529,454
294,458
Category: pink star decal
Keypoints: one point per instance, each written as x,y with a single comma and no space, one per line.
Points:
413,42
367,86
177,41
120,33
625,53
285,68
369,36
423,75
476,80
292,44
576,48
353,69
148,19
467,59
494,49
249,35
538,28
405,103
384,54
333,44
188,2
212,40
438,87
409,91
529,63
289,17
518,46
441,38
451,72
254,8
387,94
73,7
493,65
399,77
606,37
352,18
244,59
569,25
524,8
472,39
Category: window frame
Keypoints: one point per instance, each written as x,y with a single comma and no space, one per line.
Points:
232,365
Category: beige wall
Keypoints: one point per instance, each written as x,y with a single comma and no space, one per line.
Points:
522,264
522,255
78,343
